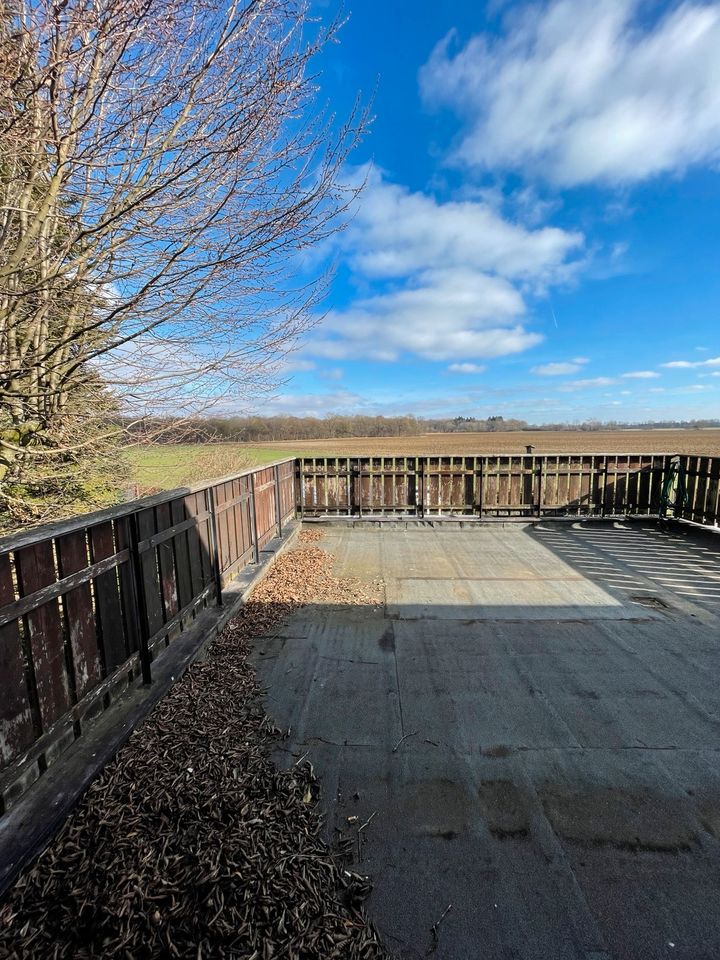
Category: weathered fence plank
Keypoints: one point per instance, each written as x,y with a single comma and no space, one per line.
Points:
35,570
72,558
16,721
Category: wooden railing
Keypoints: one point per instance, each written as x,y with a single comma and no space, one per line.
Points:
88,605
702,482
522,486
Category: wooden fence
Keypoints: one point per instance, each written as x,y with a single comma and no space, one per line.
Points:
87,605
702,480
504,486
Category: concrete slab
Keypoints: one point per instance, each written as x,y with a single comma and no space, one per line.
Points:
533,723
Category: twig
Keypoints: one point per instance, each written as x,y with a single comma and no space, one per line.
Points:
359,834
436,926
367,822
414,734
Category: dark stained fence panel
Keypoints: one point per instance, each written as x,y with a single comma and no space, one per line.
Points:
234,520
77,598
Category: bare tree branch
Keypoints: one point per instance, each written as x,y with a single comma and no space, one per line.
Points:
164,164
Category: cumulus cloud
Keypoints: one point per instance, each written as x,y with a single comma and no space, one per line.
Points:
640,375
581,92
396,232
466,368
442,281
558,369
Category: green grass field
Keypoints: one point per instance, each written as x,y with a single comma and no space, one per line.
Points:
165,466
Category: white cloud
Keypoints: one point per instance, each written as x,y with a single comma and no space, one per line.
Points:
396,232
440,315
589,382
443,281
558,369
466,368
581,91
688,364
640,375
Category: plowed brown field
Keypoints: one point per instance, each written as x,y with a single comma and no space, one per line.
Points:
701,442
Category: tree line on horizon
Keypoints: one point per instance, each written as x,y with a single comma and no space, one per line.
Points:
258,429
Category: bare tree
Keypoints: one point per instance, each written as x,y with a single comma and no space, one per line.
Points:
163,166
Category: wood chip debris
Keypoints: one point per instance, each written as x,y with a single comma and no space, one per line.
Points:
191,843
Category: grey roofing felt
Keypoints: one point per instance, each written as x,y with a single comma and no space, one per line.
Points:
558,690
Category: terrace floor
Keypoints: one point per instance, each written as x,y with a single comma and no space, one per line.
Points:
532,721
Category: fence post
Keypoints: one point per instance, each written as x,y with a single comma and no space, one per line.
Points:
215,547
278,508
140,601
253,518
299,477
480,486
348,487
604,487
540,489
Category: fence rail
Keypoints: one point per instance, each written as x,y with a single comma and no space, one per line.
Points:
87,606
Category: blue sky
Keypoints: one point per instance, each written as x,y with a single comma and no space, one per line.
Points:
539,233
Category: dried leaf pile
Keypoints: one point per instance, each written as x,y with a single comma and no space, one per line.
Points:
304,575
192,843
